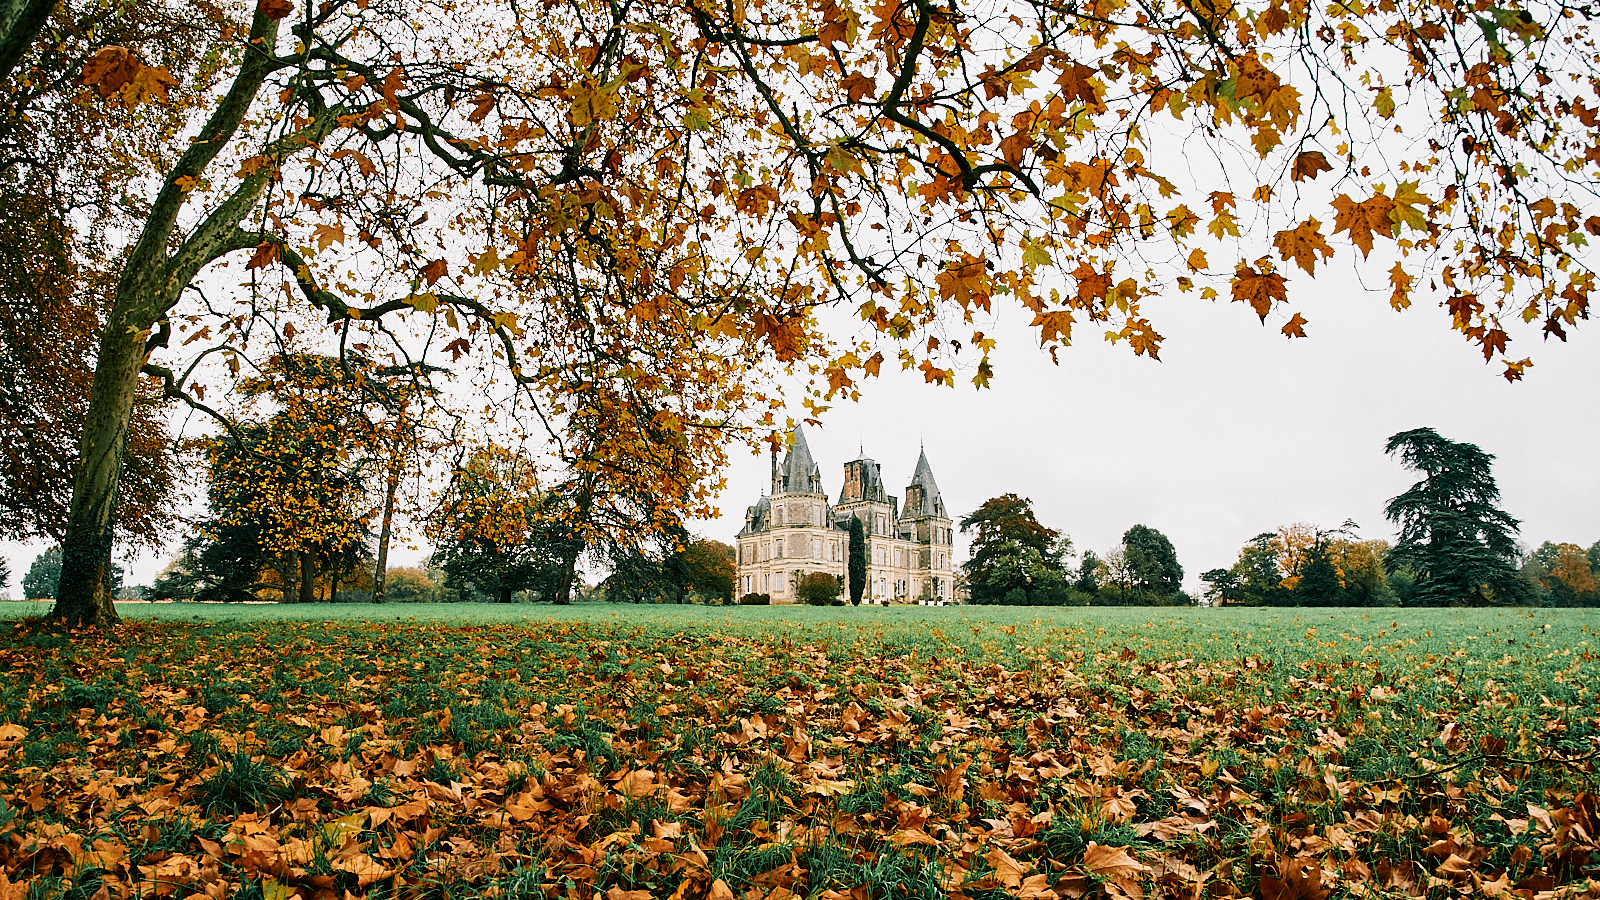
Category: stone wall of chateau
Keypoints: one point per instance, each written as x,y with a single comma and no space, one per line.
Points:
795,531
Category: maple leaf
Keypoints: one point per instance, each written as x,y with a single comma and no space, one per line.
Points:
1309,163
275,9
1295,327
1111,862
434,271
109,70
1363,220
1298,878
1007,870
1409,207
1302,244
482,105
266,254
858,86
327,235
1259,289
1401,298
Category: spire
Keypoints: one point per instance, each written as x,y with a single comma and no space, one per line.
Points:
926,488
800,473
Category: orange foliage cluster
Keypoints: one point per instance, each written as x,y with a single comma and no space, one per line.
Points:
575,761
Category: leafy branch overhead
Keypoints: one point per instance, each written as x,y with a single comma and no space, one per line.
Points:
634,211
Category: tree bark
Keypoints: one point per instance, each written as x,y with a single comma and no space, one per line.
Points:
569,567
152,279
20,24
381,568
505,595
308,577
84,597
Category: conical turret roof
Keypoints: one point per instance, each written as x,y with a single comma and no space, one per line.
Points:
800,472
932,503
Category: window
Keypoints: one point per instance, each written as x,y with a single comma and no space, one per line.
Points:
766,582
816,548
780,548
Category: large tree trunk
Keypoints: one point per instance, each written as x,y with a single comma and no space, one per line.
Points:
308,577
20,23
381,569
153,277
84,597
505,595
569,568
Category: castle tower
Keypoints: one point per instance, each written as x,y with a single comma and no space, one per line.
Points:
926,523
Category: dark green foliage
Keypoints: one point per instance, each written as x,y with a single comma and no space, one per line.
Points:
1319,580
756,600
1225,587
1152,561
857,564
1260,582
819,589
1453,536
45,573
1088,574
1015,560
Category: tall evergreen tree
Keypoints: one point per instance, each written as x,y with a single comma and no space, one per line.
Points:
1460,544
858,560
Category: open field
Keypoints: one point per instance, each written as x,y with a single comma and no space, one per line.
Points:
634,752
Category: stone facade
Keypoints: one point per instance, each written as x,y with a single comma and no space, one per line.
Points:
795,531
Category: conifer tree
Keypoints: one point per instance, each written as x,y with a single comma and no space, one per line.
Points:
858,560
1452,534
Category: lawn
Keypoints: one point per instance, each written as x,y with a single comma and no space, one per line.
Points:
631,752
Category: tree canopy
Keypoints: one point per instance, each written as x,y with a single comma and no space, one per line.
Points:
631,213
1453,534
1015,560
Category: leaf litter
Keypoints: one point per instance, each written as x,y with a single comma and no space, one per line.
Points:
833,760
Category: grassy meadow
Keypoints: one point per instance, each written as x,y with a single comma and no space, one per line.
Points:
632,752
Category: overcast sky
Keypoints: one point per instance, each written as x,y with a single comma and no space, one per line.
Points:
1235,431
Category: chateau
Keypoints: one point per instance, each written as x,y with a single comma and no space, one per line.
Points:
795,532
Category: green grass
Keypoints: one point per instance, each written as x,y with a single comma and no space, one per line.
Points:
264,703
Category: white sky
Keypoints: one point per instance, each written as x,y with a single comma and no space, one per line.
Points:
1236,431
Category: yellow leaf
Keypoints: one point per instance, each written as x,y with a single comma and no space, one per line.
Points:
1384,103
1197,260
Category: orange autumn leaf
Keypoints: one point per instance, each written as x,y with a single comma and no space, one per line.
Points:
1303,244
1259,289
1363,220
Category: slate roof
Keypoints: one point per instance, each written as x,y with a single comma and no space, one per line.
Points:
800,472
932,503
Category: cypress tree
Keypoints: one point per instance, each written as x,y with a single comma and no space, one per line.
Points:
858,560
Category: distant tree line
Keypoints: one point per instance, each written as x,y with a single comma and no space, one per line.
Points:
1456,547
1016,561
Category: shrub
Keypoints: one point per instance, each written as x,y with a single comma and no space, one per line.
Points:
819,589
755,600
